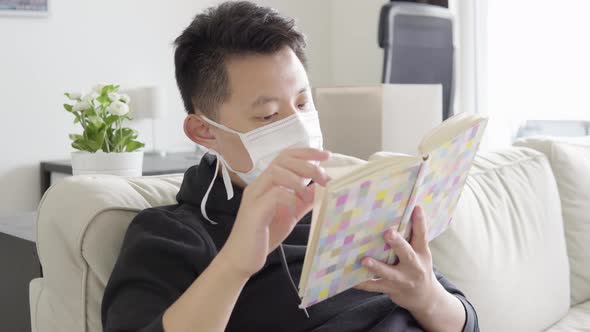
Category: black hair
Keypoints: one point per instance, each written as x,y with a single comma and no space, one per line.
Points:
232,28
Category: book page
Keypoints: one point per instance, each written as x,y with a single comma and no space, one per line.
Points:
373,168
448,130
447,171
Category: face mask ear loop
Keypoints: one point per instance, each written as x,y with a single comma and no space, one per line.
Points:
226,179
204,200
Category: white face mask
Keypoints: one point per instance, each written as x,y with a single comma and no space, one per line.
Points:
264,144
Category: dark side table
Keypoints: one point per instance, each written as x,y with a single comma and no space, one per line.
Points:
19,265
153,164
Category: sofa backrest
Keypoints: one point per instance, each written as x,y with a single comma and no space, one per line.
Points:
505,248
570,161
80,228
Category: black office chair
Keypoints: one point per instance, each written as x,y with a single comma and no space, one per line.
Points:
418,47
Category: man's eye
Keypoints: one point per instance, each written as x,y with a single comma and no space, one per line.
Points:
269,117
302,105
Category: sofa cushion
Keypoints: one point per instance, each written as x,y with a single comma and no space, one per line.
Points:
80,229
577,319
570,161
505,247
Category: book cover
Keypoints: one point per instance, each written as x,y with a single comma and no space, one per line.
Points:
349,219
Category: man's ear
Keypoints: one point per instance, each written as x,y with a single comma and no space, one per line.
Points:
198,131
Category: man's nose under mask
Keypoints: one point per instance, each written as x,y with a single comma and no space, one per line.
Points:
264,144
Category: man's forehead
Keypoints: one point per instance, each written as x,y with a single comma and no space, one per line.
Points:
267,75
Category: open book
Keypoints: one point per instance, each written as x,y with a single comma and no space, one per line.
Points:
352,213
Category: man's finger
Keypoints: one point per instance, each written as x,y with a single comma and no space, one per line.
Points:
306,154
301,156
280,176
278,198
381,270
275,175
304,202
419,238
305,169
400,247
374,286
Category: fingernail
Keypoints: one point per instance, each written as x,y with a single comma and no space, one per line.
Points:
368,262
392,235
419,212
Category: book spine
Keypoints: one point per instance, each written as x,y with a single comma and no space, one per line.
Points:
405,226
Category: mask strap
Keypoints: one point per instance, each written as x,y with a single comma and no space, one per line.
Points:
206,197
226,181
220,126
229,189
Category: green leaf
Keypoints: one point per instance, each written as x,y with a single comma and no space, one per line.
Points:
91,111
77,146
75,137
99,138
111,119
84,145
133,145
108,89
68,107
103,99
95,120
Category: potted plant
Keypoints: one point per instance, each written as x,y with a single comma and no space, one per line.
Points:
105,145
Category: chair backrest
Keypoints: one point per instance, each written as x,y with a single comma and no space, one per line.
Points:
417,40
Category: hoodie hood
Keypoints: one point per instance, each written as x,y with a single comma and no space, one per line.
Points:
194,186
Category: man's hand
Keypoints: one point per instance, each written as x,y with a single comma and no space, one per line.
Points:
412,283
271,206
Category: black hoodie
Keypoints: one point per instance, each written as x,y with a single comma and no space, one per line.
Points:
166,248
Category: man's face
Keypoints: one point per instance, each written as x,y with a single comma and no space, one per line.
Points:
263,89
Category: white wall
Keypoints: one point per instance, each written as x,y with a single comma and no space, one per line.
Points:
79,44
130,42
357,58
538,62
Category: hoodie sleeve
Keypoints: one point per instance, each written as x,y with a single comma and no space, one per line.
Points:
159,259
471,324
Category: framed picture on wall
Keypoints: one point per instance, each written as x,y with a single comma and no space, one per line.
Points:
24,7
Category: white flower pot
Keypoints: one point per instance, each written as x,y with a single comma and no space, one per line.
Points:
121,163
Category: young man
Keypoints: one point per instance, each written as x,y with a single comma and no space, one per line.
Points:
228,255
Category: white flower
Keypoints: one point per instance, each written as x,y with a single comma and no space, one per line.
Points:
80,106
125,98
74,95
113,96
90,97
98,88
118,108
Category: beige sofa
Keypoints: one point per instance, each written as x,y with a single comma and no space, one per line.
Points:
519,246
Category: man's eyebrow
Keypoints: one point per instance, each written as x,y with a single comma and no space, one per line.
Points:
261,100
